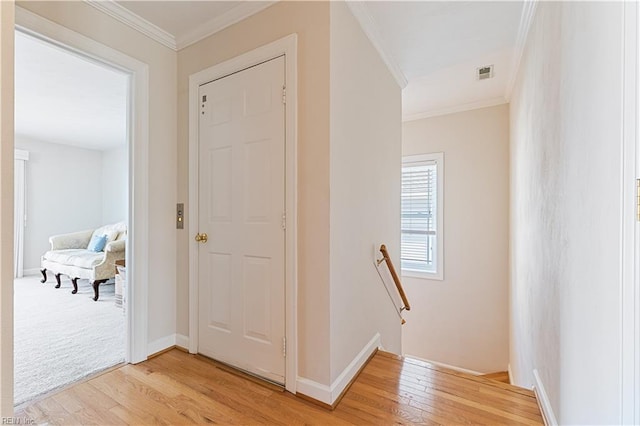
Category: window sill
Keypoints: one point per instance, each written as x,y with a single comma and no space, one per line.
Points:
422,275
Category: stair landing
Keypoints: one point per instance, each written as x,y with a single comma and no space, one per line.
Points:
426,393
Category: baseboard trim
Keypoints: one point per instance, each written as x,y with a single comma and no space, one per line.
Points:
450,367
343,382
182,341
32,271
548,415
161,345
329,396
510,374
314,391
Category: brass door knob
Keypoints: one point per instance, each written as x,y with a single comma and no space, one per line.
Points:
202,238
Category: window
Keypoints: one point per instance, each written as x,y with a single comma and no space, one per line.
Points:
421,246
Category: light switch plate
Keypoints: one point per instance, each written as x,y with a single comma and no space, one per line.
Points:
180,216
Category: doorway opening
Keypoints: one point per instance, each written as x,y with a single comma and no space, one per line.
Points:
72,183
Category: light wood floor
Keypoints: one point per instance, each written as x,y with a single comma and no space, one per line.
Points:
178,388
501,376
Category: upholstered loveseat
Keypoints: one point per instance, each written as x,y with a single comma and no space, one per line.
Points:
70,255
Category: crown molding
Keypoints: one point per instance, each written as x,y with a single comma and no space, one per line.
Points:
370,28
134,21
242,11
219,23
526,19
456,108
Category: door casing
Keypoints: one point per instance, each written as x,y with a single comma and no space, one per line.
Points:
286,46
138,152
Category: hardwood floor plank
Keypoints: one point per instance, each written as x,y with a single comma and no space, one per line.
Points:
128,397
487,408
87,409
440,411
221,385
87,395
198,399
68,401
55,413
473,391
500,376
439,416
423,386
180,389
131,418
470,382
505,386
220,389
35,413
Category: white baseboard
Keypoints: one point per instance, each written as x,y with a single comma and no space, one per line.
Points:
161,344
330,394
442,364
314,390
510,374
182,341
32,271
343,380
543,401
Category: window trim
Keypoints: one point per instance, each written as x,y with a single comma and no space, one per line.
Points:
438,158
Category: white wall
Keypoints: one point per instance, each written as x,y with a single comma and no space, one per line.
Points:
340,306
63,194
70,189
115,185
566,135
463,320
310,21
365,149
162,63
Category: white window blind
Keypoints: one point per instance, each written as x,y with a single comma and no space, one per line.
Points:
419,216
422,212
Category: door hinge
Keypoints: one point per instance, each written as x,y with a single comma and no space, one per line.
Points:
284,94
638,200
284,221
284,347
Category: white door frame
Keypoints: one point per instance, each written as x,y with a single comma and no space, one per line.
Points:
630,229
286,46
6,214
138,144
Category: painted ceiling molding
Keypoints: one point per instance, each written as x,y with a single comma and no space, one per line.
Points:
242,11
370,28
455,108
134,21
528,12
219,23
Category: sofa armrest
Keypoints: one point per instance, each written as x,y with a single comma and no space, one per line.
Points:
115,246
75,240
106,269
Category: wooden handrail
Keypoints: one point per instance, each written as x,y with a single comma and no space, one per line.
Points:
394,275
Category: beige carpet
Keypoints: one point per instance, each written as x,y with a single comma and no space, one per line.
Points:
60,337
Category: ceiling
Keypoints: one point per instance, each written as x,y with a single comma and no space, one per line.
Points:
439,45
63,98
179,18
434,46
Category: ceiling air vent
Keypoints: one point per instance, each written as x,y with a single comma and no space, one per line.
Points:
485,72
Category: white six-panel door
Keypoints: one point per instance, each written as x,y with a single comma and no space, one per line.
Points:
241,209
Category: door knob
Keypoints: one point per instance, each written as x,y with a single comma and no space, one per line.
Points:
202,238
